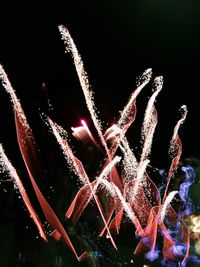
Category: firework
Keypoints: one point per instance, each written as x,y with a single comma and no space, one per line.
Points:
122,182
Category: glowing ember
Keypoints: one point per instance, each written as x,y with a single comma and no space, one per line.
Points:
123,182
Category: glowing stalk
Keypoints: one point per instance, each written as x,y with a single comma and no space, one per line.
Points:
7,167
77,166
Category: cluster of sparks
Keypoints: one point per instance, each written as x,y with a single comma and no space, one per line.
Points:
130,193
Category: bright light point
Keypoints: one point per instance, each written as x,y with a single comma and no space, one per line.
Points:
83,123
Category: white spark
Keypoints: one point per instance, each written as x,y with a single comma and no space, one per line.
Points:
168,200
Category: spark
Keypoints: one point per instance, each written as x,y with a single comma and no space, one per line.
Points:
83,78
184,111
114,190
175,148
127,111
7,167
166,204
150,120
15,101
78,168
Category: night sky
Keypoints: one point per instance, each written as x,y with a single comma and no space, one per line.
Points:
117,40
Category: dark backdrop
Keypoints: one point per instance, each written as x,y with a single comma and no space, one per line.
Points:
118,40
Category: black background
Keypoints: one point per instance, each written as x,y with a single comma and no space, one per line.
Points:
117,40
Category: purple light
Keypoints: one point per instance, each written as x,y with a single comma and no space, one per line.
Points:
152,255
184,189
